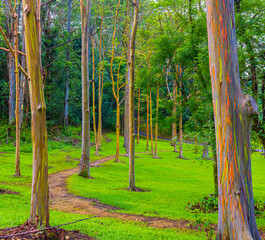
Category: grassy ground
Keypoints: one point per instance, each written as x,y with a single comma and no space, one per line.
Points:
14,209
172,183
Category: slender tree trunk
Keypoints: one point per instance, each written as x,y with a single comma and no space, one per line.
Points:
66,101
131,99
10,27
180,129
138,116
39,212
174,125
100,90
126,100
151,124
93,89
205,153
85,156
233,112
116,93
17,170
147,122
156,125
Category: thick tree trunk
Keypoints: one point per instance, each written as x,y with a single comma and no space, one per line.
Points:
85,156
39,212
156,125
131,99
66,100
233,112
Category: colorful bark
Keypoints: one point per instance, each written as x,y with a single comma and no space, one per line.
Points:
138,116
66,100
174,124
233,112
39,212
131,99
156,125
85,156
17,170
147,122
151,123
116,93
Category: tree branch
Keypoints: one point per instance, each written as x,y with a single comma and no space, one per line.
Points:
43,4
11,50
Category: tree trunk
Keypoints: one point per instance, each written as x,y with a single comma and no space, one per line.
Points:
151,124
85,156
126,100
180,128
11,66
39,212
205,152
147,122
156,125
138,116
174,125
66,101
17,170
131,99
100,90
233,112
93,89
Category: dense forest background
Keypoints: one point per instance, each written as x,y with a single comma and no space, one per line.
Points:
171,44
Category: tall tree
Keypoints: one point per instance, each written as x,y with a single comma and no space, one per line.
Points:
39,212
66,101
116,93
85,156
233,112
10,27
131,98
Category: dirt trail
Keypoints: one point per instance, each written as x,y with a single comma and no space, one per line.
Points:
62,200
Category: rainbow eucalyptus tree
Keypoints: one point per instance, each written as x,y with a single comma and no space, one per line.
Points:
39,212
233,112
131,98
85,157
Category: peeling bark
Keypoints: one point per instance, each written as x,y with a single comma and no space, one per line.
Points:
85,156
233,112
131,99
39,212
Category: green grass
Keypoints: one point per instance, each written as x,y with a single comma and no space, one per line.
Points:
172,183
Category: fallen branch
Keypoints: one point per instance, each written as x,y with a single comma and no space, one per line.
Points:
44,229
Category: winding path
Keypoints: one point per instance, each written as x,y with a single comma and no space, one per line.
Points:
62,200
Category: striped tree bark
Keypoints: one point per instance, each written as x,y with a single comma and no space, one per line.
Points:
85,156
233,112
39,212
